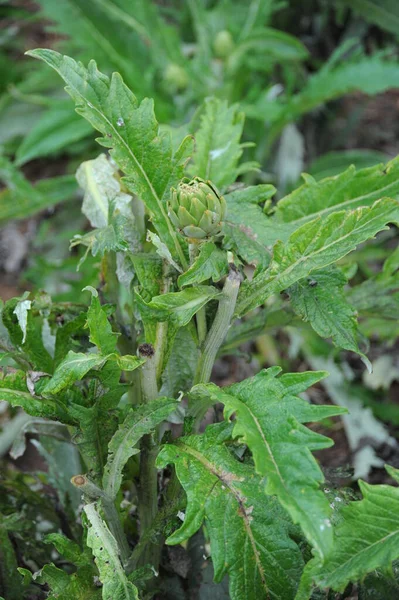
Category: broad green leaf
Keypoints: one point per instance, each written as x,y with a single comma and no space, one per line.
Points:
10,581
77,364
314,246
367,537
269,417
67,548
217,144
25,328
384,13
333,163
180,307
106,556
179,371
377,296
56,130
97,178
111,238
73,368
140,150
370,75
249,532
13,389
101,333
270,45
63,586
138,422
320,299
21,199
149,272
348,190
246,225
211,263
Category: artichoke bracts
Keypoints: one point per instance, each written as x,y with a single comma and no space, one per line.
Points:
197,209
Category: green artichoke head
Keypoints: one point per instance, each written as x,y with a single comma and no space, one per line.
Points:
197,209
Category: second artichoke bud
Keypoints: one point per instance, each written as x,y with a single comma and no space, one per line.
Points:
197,209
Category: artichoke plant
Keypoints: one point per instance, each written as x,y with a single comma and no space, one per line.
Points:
197,209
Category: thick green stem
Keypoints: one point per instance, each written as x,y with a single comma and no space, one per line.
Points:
92,492
219,328
201,314
148,489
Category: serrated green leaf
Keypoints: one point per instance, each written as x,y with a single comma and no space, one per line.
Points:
141,151
211,263
367,537
64,586
77,364
249,532
269,417
180,307
68,548
106,555
73,368
217,143
321,300
138,422
101,333
13,389
314,246
348,190
334,163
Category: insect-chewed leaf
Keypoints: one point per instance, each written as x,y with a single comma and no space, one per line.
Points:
316,245
249,532
366,539
140,149
269,417
138,422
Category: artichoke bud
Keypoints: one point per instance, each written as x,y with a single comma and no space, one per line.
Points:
223,44
197,209
175,77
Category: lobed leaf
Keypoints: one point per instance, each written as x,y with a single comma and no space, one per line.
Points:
249,533
106,555
138,422
321,300
316,245
367,537
269,417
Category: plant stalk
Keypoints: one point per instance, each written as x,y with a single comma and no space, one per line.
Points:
201,314
220,326
148,489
